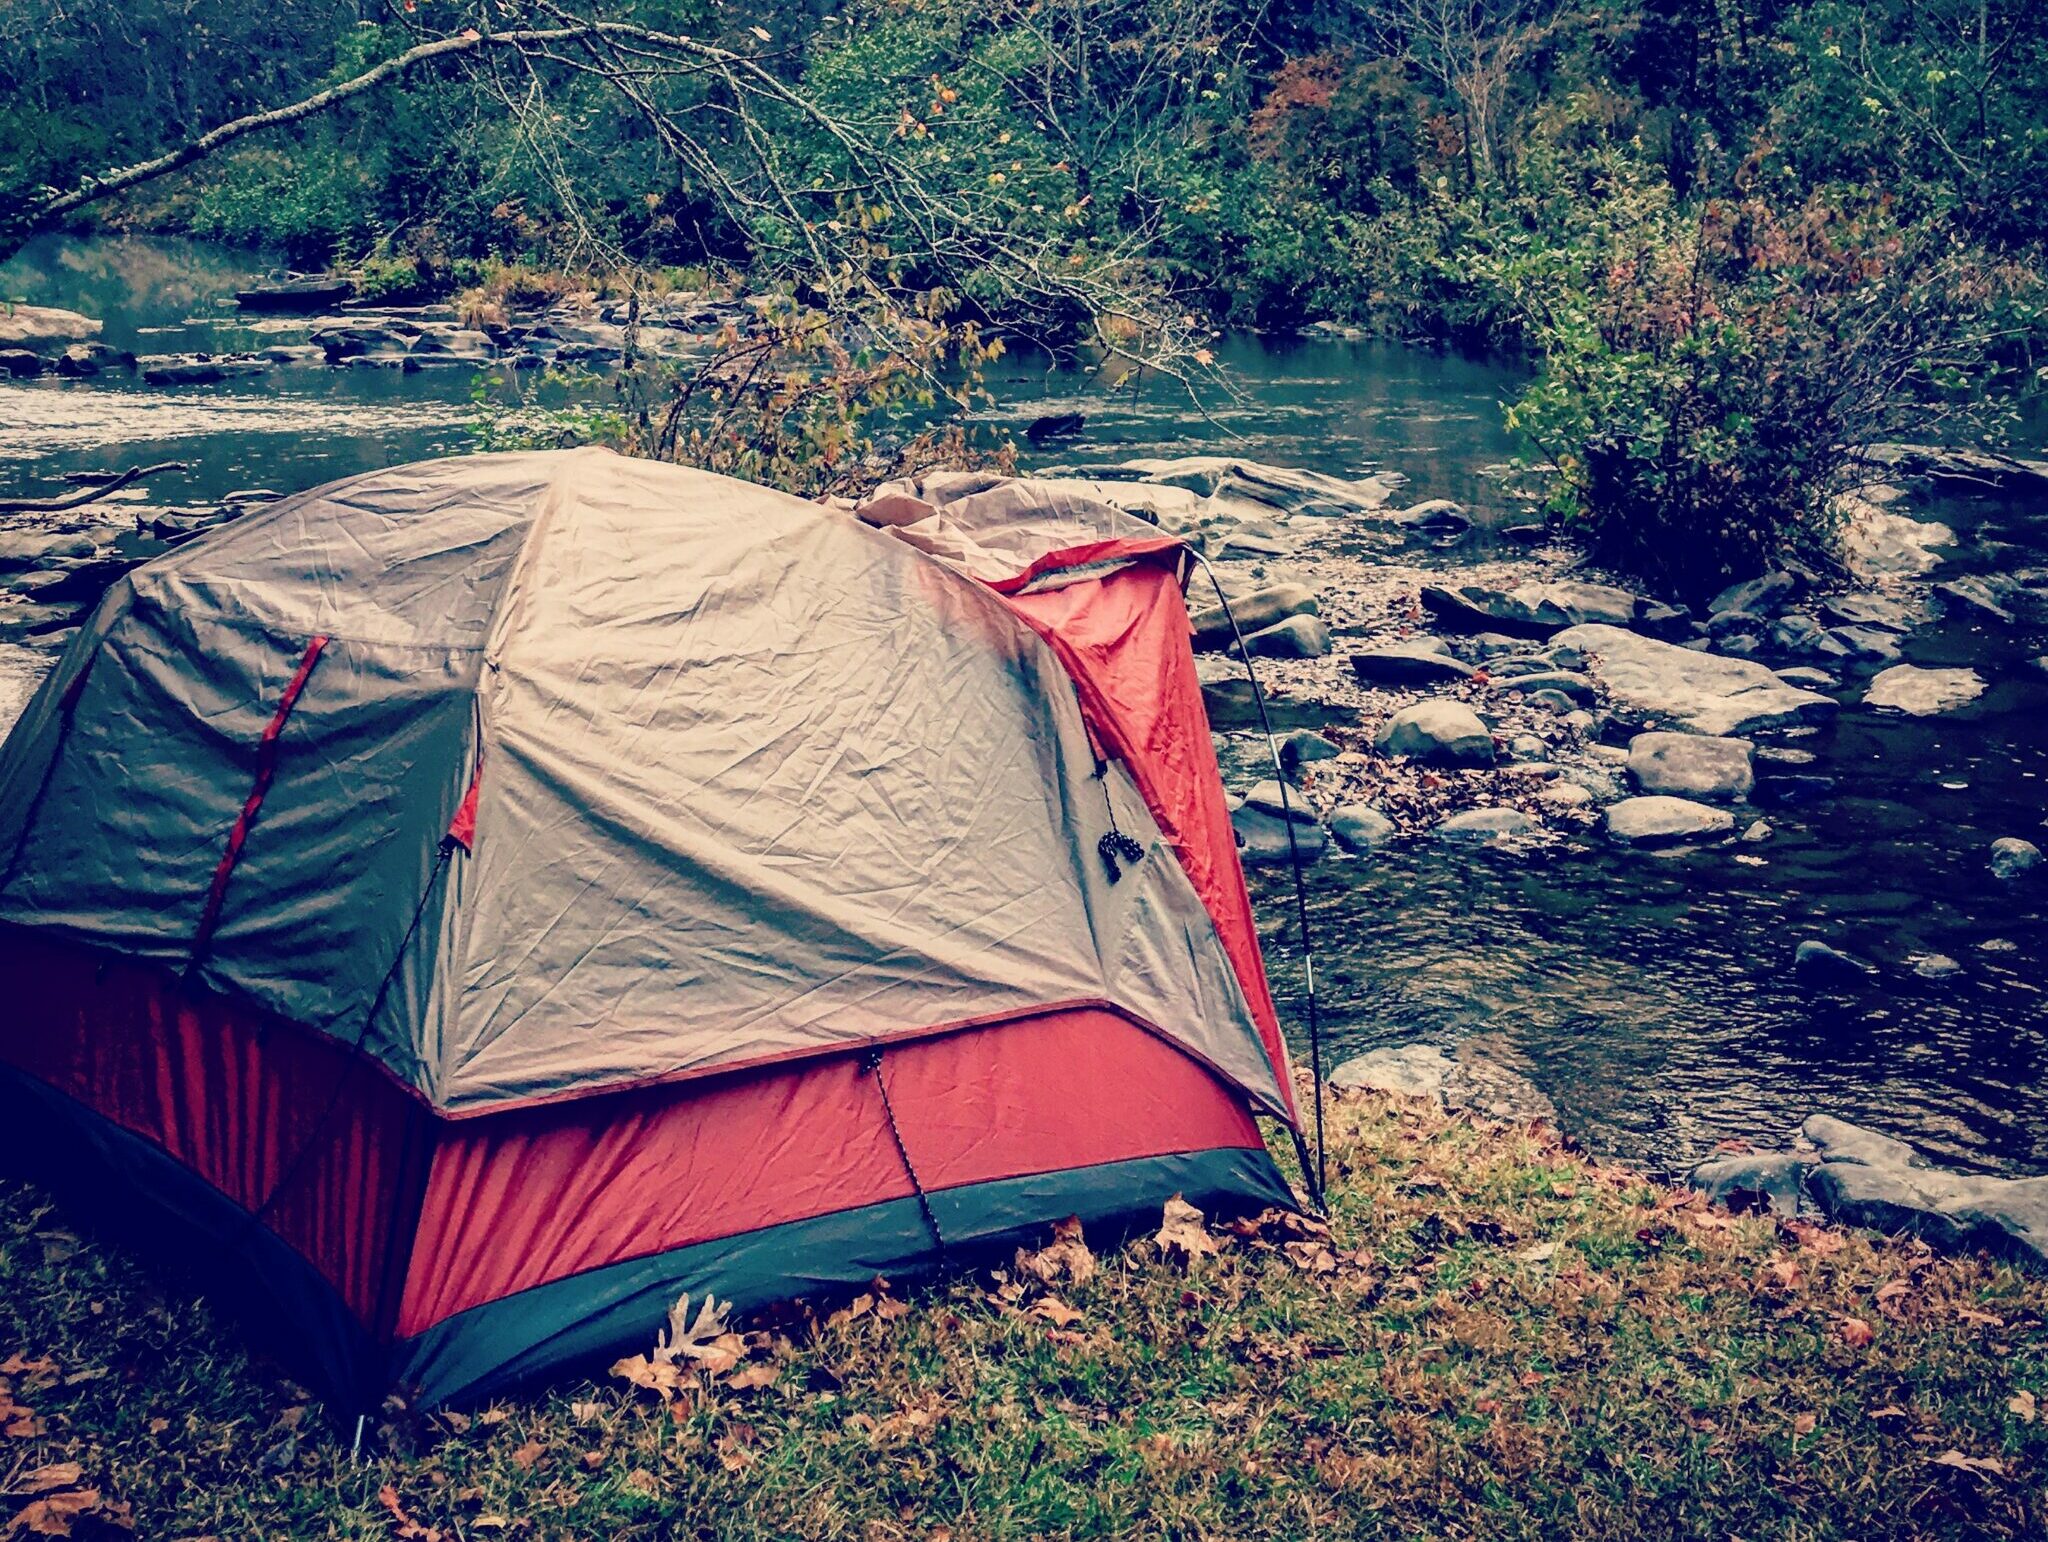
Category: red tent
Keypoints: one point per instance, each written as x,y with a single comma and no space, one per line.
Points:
472,904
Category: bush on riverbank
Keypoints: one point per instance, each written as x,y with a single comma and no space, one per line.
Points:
1711,376
1497,1338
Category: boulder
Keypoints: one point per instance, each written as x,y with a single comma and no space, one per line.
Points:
1666,821
1304,745
1691,766
198,369
1879,544
1764,596
44,329
29,549
1865,644
1282,802
1434,514
1887,613
1406,1071
1441,732
1868,1179
1227,485
1815,963
1534,609
1923,692
1408,663
1756,1180
1700,692
1800,635
1264,839
1360,828
1254,612
20,363
1564,794
1298,637
1578,689
1484,824
1977,597
2011,856
1807,678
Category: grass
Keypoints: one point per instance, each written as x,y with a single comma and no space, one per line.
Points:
1498,1338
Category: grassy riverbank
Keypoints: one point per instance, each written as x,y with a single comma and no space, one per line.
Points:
1498,1338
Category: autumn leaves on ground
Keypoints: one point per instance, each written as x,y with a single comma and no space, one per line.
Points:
1494,1337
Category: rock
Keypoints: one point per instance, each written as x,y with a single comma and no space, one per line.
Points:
1976,596
1883,612
1691,766
173,370
1434,514
297,294
1208,485
28,549
1360,828
1528,747
2011,856
83,360
1701,692
1804,637
1535,609
1254,612
1756,833
1923,692
1234,703
1764,596
20,363
1673,623
1298,637
1264,840
1516,665
1304,745
1271,797
1408,663
1666,821
1818,964
1878,544
1409,1071
1551,701
1492,645
1577,688
1793,788
1440,732
44,329
1484,824
1055,425
1864,644
27,618
1524,535
1563,794
1869,1179
1807,678
1934,966
1736,623
1758,1180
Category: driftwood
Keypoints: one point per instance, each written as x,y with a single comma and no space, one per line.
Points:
100,489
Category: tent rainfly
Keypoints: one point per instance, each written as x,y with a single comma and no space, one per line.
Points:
462,908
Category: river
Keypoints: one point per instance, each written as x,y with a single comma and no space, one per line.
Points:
1649,997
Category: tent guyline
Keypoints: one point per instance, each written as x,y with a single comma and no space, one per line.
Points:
648,883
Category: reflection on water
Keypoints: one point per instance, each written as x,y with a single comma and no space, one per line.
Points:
1651,996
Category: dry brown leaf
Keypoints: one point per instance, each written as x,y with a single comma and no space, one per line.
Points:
1985,1466
41,1480
1812,1237
527,1455
1056,1312
2022,1406
1802,1424
1181,1233
703,1339
1855,1332
403,1526
1978,1319
1784,1273
52,1515
751,1377
733,1455
642,1482
1066,1257
1310,1257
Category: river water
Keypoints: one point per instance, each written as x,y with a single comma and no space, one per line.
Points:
1650,997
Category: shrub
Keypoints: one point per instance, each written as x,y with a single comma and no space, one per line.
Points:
1711,375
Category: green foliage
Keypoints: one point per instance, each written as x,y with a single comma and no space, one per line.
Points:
1712,374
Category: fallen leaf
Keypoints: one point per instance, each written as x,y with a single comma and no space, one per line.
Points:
706,1339
2022,1407
404,1527
733,1455
1854,1332
1802,1424
1056,1312
1541,1253
1181,1232
1984,1465
52,1516
1066,1257
642,1482
527,1455
752,1377
1784,1273
41,1480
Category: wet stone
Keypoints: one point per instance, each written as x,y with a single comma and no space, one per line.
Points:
1666,821
1408,663
1440,732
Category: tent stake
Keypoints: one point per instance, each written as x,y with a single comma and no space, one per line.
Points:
355,1451
1318,1178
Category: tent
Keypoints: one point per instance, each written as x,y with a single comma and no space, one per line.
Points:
462,908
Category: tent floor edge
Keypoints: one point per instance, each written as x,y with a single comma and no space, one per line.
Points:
130,1191
584,1319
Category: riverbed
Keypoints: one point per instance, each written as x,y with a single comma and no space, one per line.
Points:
1650,996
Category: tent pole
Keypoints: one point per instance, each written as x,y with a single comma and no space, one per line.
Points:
1317,1177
